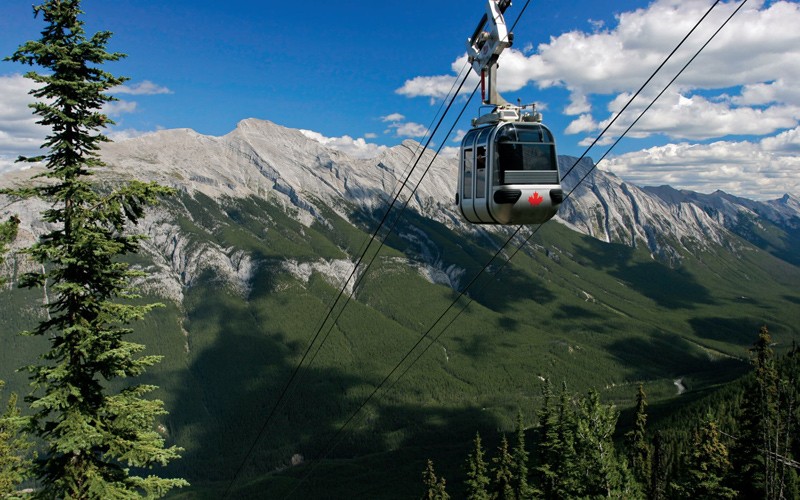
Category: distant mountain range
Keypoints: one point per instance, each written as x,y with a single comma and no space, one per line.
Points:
260,157
626,285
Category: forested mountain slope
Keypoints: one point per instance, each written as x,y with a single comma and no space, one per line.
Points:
626,285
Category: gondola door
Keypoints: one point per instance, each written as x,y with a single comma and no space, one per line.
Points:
481,171
466,187
474,174
466,177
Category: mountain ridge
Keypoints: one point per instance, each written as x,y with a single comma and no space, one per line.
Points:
295,167
264,230
262,159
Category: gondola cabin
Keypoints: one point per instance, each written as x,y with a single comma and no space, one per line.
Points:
508,174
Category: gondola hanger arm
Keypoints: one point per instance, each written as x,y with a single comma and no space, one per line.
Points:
485,46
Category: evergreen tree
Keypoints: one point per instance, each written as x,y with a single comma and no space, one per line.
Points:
548,445
14,466
658,479
577,455
502,487
8,231
707,466
565,466
790,375
477,473
520,455
92,434
601,470
767,428
435,488
638,447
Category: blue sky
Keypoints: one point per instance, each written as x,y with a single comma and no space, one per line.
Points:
362,75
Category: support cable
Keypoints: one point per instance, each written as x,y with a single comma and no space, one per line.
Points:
634,96
296,370
527,239
334,441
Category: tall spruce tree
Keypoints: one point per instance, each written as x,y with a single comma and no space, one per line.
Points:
638,448
93,434
477,473
548,445
522,489
565,468
502,486
8,231
603,474
435,488
14,447
660,469
707,467
768,426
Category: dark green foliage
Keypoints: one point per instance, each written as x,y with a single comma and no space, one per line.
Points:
13,444
768,424
502,485
92,434
477,473
741,414
435,489
8,231
522,490
576,453
603,473
14,447
706,466
556,471
638,447
533,319
549,443
658,479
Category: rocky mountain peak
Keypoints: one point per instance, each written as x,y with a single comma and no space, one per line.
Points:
263,159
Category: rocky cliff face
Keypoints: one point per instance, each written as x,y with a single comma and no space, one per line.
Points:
261,159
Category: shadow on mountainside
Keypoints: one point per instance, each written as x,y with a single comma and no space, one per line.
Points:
739,331
425,240
241,355
667,287
661,354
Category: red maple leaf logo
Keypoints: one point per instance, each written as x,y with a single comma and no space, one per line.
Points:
535,199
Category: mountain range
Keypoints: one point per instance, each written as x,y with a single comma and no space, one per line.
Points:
627,284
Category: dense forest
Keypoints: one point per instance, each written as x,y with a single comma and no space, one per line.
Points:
739,442
86,434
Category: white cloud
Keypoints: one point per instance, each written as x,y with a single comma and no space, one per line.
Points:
370,135
768,93
578,104
409,129
145,87
440,86
450,152
432,86
746,81
685,116
118,135
8,164
755,170
19,133
394,117
116,108
787,142
584,123
357,148
402,128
